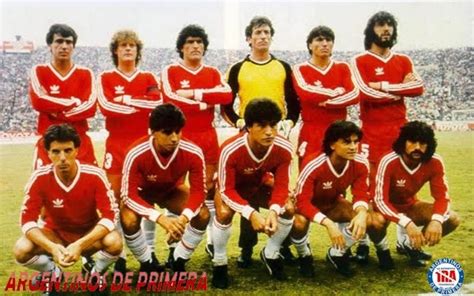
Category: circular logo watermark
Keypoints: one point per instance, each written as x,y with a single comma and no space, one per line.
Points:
445,276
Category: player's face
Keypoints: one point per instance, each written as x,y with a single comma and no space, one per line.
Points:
346,148
126,51
321,47
166,141
415,150
384,33
63,155
193,49
62,47
261,38
262,134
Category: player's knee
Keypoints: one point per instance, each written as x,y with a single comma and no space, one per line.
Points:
224,214
377,222
130,221
289,210
113,243
454,220
22,250
300,226
201,220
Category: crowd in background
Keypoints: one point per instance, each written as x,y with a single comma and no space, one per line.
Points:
448,75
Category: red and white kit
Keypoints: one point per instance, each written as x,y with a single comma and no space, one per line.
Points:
126,103
63,99
210,89
71,211
335,87
241,171
383,112
148,177
396,187
319,186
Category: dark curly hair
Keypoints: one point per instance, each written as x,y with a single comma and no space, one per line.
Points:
380,17
167,118
191,31
339,129
262,111
416,131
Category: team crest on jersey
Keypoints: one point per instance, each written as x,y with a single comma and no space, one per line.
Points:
58,203
401,183
327,185
318,83
54,89
119,90
151,178
185,84
379,71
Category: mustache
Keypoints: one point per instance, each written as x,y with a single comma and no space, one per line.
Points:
417,151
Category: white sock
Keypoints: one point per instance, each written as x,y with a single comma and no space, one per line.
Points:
221,234
103,260
302,246
149,228
118,226
212,213
382,245
171,215
347,233
137,244
272,248
365,241
401,235
188,243
40,263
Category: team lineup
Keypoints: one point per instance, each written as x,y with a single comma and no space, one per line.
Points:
162,150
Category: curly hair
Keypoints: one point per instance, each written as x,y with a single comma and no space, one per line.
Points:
381,17
121,36
191,31
166,117
339,129
262,111
416,131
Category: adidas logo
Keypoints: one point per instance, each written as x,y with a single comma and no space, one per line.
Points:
401,183
327,185
119,90
318,83
58,203
249,171
379,71
185,84
151,178
54,89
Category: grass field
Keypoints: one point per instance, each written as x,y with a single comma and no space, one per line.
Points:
457,149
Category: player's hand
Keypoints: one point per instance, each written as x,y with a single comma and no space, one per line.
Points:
74,252
416,236
172,226
358,225
322,104
433,232
340,90
185,93
284,127
59,253
375,85
409,77
257,221
271,223
335,234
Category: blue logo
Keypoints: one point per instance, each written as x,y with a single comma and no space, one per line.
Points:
445,276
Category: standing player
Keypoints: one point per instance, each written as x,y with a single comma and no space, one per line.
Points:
63,92
126,97
196,88
325,89
154,172
320,195
384,78
400,176
72,194
244,161
260,74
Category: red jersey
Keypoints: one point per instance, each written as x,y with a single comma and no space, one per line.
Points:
70,208
146,174
396,186
319,185
240,168
209,89
62,99
385,106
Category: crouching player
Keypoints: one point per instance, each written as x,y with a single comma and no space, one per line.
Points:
320,198
71,194
400,176
154,172
247,164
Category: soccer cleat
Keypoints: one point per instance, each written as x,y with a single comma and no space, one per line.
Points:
210,250
220,277
415,257
362,255
152,265
87,265
170,258
306,266
385,260
274,266
288,257
340,263
423,255
121,266
245,258
178,265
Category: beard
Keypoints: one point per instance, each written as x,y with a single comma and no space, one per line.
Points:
388,43
420,155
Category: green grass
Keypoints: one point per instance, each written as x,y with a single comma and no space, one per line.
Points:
456,149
